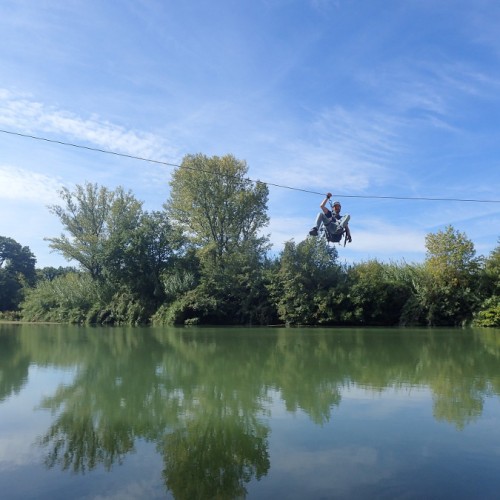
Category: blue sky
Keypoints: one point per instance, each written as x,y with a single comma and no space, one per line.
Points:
362,98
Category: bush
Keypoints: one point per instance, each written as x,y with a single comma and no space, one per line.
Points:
10,315
489,315
191,308
65,299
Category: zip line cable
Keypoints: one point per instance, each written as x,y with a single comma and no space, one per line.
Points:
282,186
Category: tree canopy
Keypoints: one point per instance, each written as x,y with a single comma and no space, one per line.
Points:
17,269
220,209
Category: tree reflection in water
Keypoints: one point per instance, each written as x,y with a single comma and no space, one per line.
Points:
202,395
215,457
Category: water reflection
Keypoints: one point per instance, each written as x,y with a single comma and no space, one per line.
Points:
202,396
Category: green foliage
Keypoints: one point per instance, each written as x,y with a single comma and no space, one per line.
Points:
177,283
415,278
217,206
449,290
204,261
17,271
10,315
303,286
194,307
237,283
98,223
139,260
124,308
491,273
122,249
222,214
67,298
236,294
49,272
489,314
377,293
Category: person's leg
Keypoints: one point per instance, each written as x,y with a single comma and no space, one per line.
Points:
344,220
321,218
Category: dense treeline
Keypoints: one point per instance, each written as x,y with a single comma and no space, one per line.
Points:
203,259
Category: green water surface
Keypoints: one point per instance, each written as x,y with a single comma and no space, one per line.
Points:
265,413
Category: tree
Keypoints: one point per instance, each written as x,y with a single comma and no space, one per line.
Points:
489,314
305,285
140,259
222,214
492,272
49,273
217,206
450,291
98,222
123,249
377,293
17,270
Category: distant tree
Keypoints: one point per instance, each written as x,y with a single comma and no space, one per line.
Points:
17,270
49,272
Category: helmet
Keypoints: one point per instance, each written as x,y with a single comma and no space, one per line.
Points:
337,203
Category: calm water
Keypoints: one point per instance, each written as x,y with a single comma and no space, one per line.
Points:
129,413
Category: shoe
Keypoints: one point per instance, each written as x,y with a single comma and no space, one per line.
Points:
313,231
344,220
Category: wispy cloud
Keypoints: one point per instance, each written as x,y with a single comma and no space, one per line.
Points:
19,113
350,150
19,184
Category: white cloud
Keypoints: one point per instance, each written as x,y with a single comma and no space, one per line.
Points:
19,184
22,114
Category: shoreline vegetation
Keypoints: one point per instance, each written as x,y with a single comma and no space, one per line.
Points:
203,260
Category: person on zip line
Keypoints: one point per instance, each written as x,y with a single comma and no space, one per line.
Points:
335,225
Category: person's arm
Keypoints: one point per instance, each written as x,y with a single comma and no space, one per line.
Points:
324,202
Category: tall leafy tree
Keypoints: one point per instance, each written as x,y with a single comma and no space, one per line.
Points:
217,206
17,270
123,248
450,289
98,223
149,250
222,213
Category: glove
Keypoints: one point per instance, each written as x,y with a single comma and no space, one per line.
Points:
328,195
